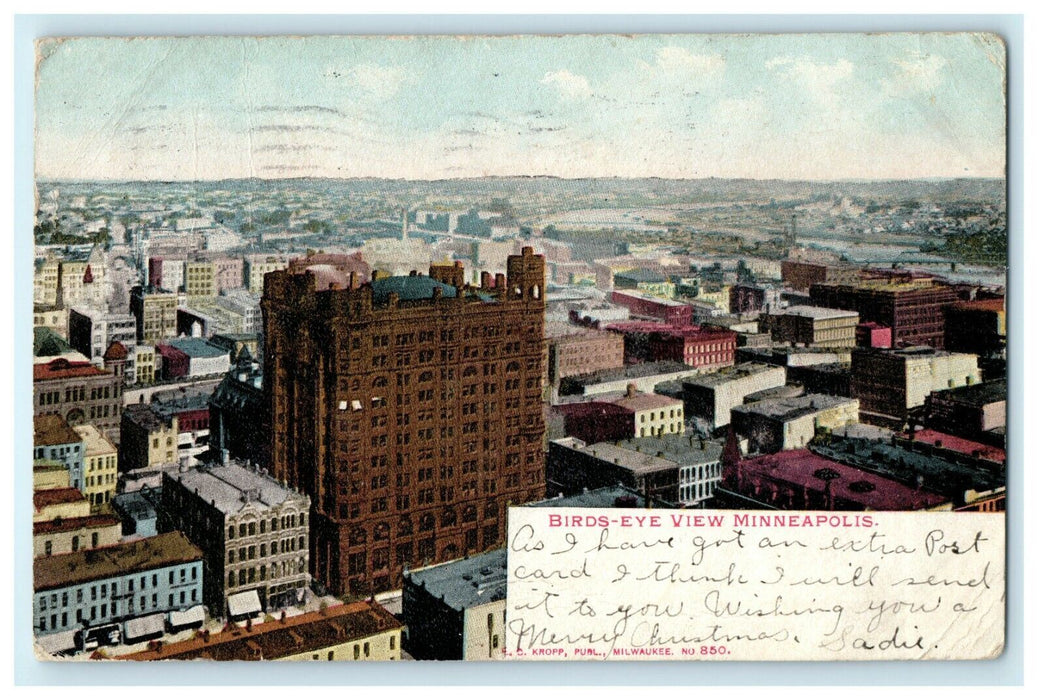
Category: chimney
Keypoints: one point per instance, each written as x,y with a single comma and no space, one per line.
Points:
632,390
485,280
500,281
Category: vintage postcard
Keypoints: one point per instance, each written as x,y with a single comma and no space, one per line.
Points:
591,347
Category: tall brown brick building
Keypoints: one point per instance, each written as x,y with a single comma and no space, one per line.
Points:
408,408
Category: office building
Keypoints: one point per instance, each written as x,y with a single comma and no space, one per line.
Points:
99,466
252,530
711,397
408,409
812,326
100,586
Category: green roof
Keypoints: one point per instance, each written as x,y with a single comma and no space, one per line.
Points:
410,287
47,343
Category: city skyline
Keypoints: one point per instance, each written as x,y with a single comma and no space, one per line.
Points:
817,107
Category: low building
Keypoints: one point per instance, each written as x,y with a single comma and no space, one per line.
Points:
66,535
148,440
706,349
190,410
456,610
99,466
138,511
699,463
953,446
711,397
975,326
360,631
55,440
802,480
50,474
237,411
874,335
253,532
781,424
975,412
596,421
95,587
833,378
574,466
49,504
92,332
651,414
969,483
574,350
192,357
673,313
79,392
889,383
156,314
812,326
644,376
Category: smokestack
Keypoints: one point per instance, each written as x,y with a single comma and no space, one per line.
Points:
405,224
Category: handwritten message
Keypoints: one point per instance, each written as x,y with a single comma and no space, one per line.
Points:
587,584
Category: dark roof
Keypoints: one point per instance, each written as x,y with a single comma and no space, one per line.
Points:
53,430
144,416
115,351
465,583
105,562
69,524
47,343
52,497
410,287
282,638
604,497
977,394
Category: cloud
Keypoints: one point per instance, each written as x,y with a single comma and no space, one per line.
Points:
678,61
916,72
570,85
381,82
815,77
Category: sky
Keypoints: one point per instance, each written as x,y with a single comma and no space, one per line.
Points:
799,106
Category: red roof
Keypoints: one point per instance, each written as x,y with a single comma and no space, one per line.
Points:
61,368
799,468
957,444
53,497
70,524
116,351
981,305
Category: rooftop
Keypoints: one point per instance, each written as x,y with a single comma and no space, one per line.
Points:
647,297
732,374
980,305
48,343
632,460
816,312
638,401
70,524
682,449
197,347
915,465
957,444
299,634
94,443
62,368
54,497
410,287
49,430
990,392
467,582
806,470
106,562
145,417
604,497
639,371
790,408
231,487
